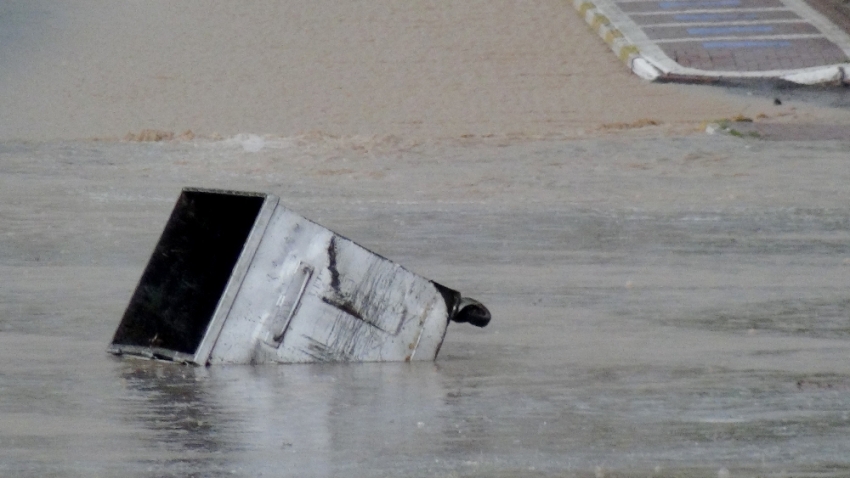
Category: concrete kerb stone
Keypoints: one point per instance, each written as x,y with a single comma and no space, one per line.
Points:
625,50
820,75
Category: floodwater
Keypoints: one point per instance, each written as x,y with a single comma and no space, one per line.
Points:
661,307
81,69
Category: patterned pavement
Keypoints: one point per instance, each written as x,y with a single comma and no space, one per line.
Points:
714,39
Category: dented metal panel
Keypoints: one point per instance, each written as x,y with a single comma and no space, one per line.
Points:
298,293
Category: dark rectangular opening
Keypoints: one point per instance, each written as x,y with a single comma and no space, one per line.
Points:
188,270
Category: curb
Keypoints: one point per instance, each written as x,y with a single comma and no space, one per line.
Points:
836,74
625,50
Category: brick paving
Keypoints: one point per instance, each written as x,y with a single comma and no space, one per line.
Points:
677,32
632,6
722,36
713,17
754,55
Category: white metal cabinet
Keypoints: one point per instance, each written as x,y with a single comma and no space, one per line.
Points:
293,292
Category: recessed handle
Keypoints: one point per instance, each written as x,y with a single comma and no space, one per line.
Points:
288,303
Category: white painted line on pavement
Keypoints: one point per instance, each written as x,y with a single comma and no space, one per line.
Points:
784,21
755,38
719,10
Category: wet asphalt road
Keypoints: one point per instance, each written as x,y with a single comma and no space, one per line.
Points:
662,307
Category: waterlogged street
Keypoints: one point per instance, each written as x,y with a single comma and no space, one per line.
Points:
661,307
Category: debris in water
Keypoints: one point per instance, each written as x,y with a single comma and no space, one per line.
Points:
150,135
238,278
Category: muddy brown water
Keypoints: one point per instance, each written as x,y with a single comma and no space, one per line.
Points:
662,307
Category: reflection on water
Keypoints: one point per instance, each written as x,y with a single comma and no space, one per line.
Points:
171,402
435,419
301,420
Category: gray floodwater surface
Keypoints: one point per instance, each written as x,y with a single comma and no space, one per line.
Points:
661,307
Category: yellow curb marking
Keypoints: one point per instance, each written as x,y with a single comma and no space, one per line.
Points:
610,35
627,51
599,20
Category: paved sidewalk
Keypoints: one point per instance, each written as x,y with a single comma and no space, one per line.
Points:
722,39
